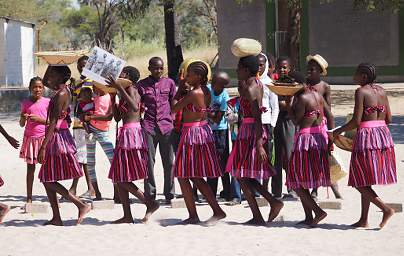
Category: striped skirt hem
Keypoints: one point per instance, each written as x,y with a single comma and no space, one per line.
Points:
372,167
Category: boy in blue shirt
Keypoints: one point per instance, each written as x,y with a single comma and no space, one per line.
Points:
219,125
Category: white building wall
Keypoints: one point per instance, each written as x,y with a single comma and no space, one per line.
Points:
16,50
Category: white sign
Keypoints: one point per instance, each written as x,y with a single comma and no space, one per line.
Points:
102,64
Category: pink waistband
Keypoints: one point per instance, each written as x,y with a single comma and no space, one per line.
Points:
315,129
373,123
131,125
248,120
194,124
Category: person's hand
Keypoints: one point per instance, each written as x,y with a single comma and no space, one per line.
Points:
41,155
87,118
112,83
261,154
13,142
35,118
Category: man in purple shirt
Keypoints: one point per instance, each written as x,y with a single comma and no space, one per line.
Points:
157,94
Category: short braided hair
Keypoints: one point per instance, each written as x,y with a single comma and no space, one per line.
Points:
369,70
201,69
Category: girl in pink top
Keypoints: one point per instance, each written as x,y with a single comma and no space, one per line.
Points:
33,117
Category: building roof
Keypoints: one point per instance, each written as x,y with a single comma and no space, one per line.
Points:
13,19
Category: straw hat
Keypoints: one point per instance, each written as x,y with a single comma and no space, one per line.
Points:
61,58
125,83
320,61
243,47
343,143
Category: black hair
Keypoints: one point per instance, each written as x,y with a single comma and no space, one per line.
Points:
82,58
155,59
283,58
262,56
369,70
297,76
63,71
86,90
251,63
201,69
34,80
132,73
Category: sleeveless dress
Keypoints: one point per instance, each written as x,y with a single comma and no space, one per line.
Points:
131,152
373,159
243,161
196,154
308,165
60,160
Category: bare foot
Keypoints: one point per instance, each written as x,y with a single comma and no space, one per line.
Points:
360,224
29,200
123,220
306,222
190,221
54,222
88,194
386,216
151,208
276,207
3,213
82,212
319,217
215,218
255,222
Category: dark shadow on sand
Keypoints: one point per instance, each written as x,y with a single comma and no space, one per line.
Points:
66,223
14,198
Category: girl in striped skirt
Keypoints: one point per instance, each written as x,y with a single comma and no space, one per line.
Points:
248,161
373,160
308,166
196,155
57,153
131,152
4,209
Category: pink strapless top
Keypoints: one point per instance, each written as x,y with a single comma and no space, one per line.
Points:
372,109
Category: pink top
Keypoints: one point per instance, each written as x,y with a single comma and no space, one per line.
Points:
101,107
38,108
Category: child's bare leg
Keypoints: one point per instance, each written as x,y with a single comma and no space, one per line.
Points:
97,191
207,193
187,192
371,195
334,188
363,221
308,214
53,200
248,191
151,204
73,188
117,200
82,207
275,204
311,204
4,209
124,197
30,181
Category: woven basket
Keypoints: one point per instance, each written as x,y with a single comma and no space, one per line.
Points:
283,89
61,58
344,143
243,47
125,83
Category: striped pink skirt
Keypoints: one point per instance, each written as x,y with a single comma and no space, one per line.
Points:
243,161
308,165
30,149
60,160
130,155
196,155
373,160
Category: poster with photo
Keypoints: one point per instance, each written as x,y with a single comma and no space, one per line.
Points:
102,64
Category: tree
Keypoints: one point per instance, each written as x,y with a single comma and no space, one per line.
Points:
173,44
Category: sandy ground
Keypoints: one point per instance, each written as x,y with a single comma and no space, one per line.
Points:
23,234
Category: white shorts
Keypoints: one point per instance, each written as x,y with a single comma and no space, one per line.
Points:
81,137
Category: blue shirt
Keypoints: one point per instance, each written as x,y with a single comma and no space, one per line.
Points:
219,103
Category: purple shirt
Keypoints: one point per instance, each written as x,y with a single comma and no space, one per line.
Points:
157,97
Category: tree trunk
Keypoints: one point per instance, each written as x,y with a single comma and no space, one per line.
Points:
173,44
295,12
